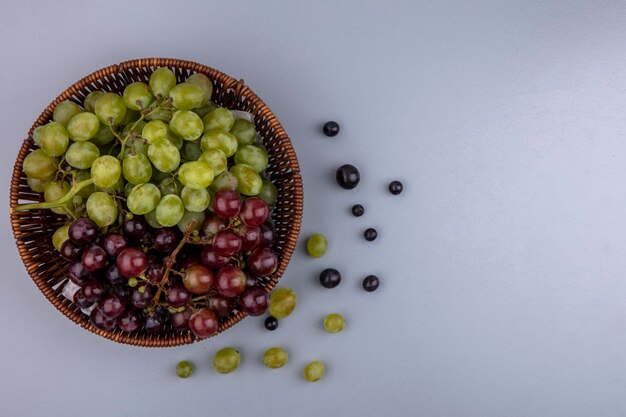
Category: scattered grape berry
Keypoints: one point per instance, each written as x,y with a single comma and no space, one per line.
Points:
358,210
330,278
271,323
370,234
370,283
348,176
331,128
395,187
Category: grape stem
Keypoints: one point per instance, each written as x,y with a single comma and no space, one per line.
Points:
169,262
58,203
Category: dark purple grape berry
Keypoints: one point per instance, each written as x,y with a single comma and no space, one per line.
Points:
331,129
101,321
135,228
82,232
358,210
254,301
178,296
370,234
130,321
395,187
81,301
165,240
330,278
112,274
143,299
112,306
70,251
93,290
94,258
113,244
78,274
370,283
271,323
153,322
348,176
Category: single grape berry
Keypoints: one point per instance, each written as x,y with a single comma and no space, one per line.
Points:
348,176
184,369
358,210
70,251
331,129
370,283
370,234
330,278
271,323
395,187
83,231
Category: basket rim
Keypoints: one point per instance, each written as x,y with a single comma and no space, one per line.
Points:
236,89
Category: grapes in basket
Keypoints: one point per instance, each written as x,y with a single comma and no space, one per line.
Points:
168,209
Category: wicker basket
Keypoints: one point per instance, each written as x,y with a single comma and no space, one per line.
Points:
33,229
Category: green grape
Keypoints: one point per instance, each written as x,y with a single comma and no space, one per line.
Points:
170,185
143,198
106,171
101,209
334,323
37,135
205,85
64,111
60,235
136,145
314,371
226,360
176,141
224,181
268,192
54,139
81,176
249,182
90,101
282,302
130,117
162,113
154,131
53,191
188,217
220,119
195,174
37,185
317,245
252,155
184,369
244,131
83,126
128,188
152,221
186,124
77,200
38,165
216,160
158,176
204,110
110,109
104,135
191,150
186,96
137,168
164,155
161,82
211,197
137,96
137,128
81,155
275,358
216,139
170,210
195,199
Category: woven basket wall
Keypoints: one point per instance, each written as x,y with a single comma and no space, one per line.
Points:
33,229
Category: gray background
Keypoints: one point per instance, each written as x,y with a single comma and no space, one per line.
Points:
503,270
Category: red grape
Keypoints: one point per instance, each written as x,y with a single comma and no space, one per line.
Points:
203,323
94,258
131,262
226,203
153,322
81,301
221,306
212,225
231,281
198,279
154,273
178,296
262,262
101,321
112,306
180,320
267,234
254,301
135,228
254,211
142,299
83,232
92,290
70,251
112,274
78,274
165,240
130,321
250,237
226,243
212,259
113,244
190,260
